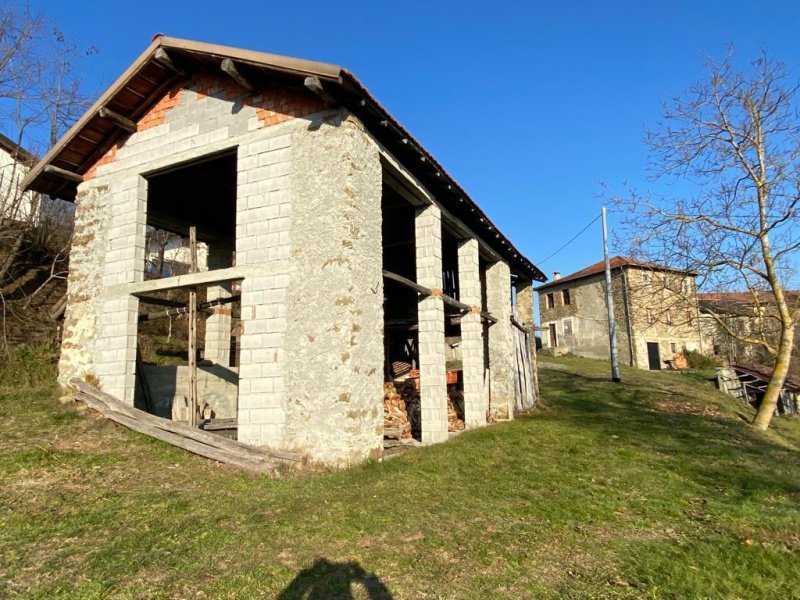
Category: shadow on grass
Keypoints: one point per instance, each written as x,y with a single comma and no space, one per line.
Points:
326,579
710,448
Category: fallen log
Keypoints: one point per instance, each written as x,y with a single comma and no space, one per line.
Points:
179,434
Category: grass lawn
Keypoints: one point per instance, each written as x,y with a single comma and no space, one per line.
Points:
652,488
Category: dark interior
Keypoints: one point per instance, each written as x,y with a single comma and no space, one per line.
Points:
200,193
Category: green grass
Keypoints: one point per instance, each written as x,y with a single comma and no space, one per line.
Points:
652,488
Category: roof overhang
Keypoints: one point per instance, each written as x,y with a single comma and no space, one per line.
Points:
167,61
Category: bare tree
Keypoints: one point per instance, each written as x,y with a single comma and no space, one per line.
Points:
40,96
730,147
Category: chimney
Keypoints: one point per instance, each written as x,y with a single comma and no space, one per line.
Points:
556,275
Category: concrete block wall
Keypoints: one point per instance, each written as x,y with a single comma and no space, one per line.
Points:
430,314
501,340
469,278
207,115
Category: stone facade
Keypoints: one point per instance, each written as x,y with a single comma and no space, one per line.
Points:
655,308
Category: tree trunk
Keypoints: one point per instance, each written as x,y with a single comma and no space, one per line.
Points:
770,401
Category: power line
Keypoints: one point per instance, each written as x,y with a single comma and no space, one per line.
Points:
575,237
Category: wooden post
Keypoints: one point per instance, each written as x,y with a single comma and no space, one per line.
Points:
193,420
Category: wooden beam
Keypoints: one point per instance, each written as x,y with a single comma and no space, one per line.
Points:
63,173
201,279
429,292
203,443
229,68
122,122
163,58
160,301
315,85
193,403
181,309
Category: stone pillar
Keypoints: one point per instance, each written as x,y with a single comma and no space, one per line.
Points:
218,325
334,302
501,341
469,282
433,383
524,306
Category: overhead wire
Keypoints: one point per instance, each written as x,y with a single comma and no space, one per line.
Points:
572,239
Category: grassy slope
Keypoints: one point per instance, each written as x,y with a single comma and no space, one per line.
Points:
653,488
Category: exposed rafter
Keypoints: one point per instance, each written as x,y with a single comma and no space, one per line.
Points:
63,173
163,58
229,68
315,85
123,122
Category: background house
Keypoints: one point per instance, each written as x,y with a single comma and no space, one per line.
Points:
15,162
655,309
726,317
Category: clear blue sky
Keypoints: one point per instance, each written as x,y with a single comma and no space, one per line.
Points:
529,105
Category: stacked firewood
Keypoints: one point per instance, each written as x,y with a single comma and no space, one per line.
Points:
401,410
455,410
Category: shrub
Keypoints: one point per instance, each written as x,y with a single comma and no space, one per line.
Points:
698,360
29,366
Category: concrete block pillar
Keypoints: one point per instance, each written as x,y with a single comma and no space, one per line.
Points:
218,325
469,278
501,341
433,383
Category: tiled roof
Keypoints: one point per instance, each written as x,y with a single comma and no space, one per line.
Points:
617,262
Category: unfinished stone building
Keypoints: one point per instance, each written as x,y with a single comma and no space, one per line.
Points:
655,307
346,246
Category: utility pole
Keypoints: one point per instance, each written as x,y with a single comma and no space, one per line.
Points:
612,323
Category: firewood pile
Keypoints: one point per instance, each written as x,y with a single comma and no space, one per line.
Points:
401,410
455,410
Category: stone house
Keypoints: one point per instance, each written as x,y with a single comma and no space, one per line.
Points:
323,217
655,307
726,317
15,162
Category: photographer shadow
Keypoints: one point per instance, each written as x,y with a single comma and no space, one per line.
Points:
325,579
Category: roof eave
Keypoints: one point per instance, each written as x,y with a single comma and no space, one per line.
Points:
353,94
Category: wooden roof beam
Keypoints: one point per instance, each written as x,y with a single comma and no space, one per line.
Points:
63,173
165,60
314,85
122,122
229,68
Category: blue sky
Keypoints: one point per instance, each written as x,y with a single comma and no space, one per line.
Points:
529,105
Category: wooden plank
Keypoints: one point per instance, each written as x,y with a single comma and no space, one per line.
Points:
204,278
102,402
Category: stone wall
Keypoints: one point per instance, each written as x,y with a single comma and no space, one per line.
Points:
333,400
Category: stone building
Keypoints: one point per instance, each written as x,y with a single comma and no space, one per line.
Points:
655,308
307,193
728,318
15,162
